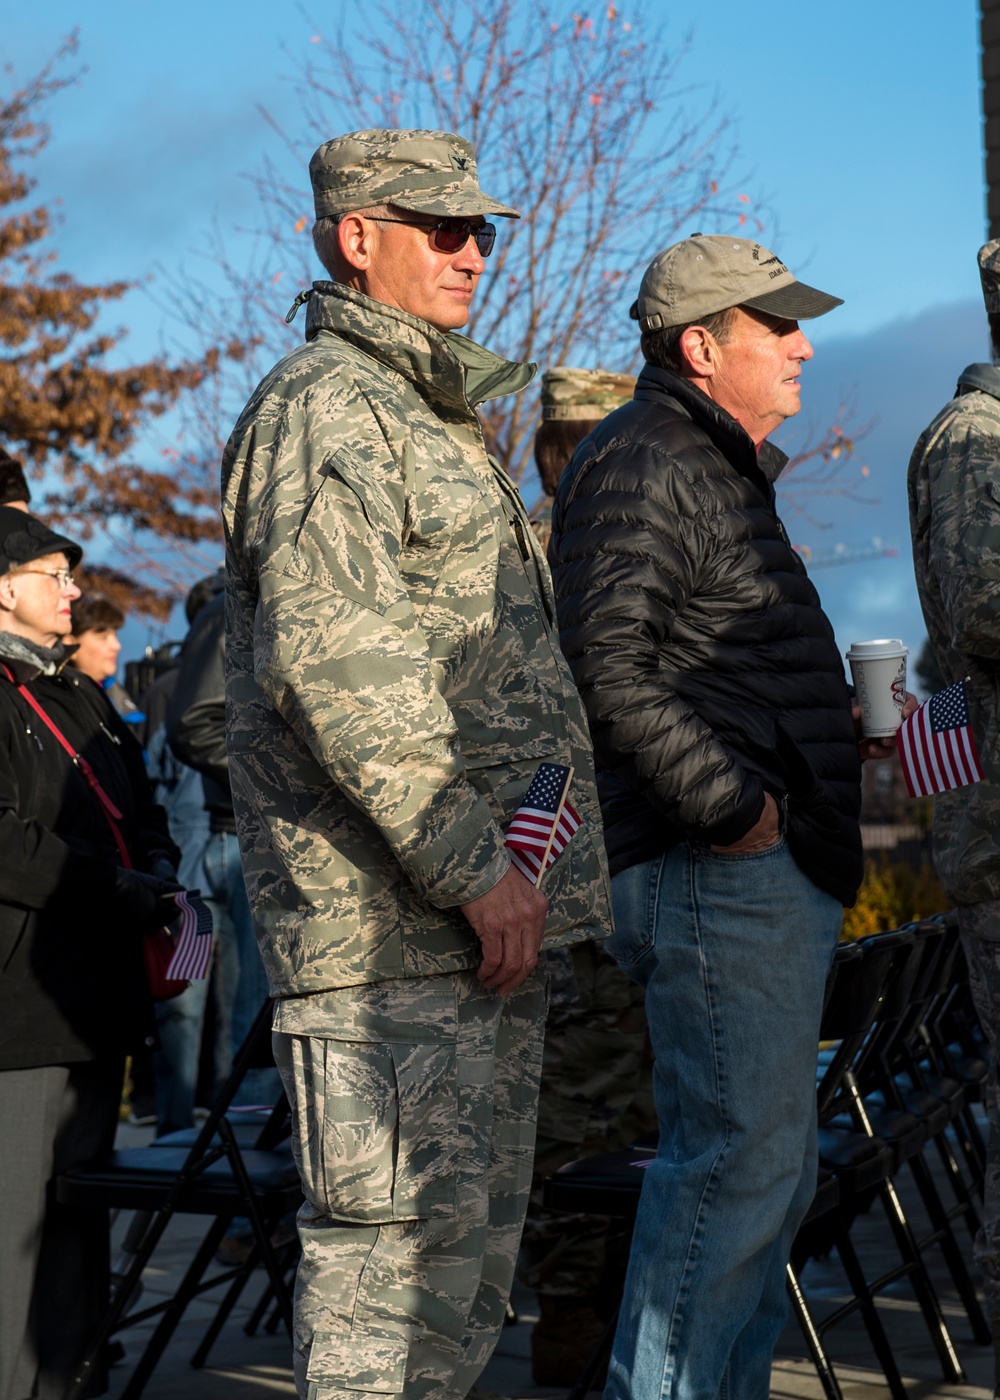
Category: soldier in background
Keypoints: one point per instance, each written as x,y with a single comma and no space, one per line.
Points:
596,1089
954,494
394,679
573,403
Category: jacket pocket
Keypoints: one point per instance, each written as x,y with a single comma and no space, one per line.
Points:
387,1125
348,540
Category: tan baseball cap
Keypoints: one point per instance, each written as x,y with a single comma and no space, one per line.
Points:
711,272
583,394
426,172
989,273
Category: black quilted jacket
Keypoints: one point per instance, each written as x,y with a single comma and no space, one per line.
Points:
708,667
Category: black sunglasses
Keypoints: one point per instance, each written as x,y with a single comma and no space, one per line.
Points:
451,235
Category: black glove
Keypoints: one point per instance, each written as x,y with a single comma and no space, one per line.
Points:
140,898
162,869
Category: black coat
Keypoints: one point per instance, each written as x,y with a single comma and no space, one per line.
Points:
708,667
196,715
72,985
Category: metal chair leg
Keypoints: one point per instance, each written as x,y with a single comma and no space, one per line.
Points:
824,1370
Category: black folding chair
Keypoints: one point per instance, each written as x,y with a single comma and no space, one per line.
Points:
215,1176
909,1119
865,1162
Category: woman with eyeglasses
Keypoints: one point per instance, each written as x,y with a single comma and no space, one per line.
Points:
77,826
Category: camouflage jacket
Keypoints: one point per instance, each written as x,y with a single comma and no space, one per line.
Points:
394,675
954,493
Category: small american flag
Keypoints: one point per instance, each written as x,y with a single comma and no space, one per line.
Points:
193,950
937,750
544,823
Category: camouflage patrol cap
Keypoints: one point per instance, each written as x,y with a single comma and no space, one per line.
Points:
426,172
583,394
989,274
707,273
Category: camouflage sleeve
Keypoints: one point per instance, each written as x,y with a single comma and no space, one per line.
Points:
963,468
340,654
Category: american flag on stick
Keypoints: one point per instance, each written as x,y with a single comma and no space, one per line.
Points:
937,750
193,949
544,823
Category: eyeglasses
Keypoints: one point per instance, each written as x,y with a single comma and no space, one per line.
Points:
62,576
451,235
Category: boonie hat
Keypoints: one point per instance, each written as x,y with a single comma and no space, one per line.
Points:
711,272
583,393
989,274
426,172
23,537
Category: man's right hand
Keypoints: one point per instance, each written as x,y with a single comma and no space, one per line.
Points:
765,832
509,921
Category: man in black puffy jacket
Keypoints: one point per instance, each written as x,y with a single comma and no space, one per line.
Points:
729,770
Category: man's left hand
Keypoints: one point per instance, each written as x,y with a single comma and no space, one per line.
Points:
880,748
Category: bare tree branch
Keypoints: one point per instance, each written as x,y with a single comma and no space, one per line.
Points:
579,121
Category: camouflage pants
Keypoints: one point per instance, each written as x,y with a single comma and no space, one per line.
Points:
593,1074
983,957
414,1106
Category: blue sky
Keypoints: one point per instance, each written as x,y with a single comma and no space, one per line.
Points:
858,125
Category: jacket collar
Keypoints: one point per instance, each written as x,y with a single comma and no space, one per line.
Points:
449,369
983,377
27,661
732,440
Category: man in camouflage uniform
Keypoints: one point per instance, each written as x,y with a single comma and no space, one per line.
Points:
954,493
596,1089
393,681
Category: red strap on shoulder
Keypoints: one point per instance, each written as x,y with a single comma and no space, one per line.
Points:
111,812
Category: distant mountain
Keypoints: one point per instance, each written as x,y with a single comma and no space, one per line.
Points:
900,375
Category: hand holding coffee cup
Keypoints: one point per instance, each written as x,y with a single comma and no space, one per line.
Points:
878,669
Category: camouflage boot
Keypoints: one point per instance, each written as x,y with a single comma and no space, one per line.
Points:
566,1333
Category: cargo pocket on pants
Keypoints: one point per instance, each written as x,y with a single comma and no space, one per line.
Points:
340,1362
389,1125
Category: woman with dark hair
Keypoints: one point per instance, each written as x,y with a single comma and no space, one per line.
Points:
96,624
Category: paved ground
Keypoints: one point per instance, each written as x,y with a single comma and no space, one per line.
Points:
251,1368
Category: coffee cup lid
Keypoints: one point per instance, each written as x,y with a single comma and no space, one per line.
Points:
876,650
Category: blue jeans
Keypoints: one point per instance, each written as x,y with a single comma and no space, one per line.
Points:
240,961
180,1021
733,950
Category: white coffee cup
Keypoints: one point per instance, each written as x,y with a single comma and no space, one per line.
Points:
879,672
